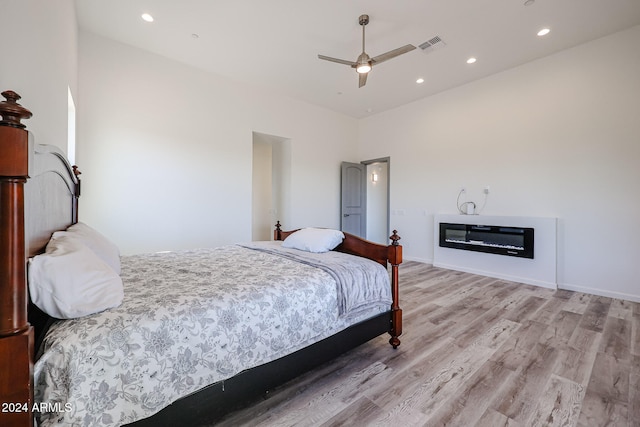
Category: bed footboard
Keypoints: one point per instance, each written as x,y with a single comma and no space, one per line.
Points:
385,255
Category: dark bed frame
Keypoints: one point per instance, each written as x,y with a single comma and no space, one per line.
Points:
39,193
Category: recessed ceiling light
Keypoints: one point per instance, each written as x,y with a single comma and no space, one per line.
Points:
420,80
471,60
147,17
544,32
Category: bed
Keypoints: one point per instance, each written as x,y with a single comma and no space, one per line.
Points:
39,194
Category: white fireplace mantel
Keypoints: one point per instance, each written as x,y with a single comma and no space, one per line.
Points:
539,271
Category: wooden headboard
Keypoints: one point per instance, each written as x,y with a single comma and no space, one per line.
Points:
53,187
38,195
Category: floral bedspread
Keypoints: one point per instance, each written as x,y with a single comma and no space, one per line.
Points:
359,282
188,319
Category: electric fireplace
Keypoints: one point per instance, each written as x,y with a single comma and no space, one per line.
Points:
501,240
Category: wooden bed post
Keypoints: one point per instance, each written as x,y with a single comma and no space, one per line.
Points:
395,257
16,334
277,233
76,194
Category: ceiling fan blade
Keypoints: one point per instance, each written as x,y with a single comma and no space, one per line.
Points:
392,54
362,79
339,61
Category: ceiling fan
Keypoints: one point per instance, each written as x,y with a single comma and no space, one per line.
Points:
364,63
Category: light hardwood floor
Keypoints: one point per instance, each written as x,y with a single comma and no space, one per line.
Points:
476,351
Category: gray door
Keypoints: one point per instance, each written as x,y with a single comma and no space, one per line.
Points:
354,201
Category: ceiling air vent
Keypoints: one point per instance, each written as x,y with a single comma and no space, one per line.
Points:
432,44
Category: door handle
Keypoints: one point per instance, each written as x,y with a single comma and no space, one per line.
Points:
345,215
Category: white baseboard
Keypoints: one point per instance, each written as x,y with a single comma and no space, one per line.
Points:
600,292
564,286
416,259
511,278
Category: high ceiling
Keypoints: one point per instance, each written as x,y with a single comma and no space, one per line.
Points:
274,43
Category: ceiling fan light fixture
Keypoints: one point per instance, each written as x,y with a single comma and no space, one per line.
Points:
364,63
363,68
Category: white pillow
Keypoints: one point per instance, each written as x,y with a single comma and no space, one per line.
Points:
103,247
69,280
314,239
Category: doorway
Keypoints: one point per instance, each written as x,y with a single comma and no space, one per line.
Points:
271,184
365,199
378,200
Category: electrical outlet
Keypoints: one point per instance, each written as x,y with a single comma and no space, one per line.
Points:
486,189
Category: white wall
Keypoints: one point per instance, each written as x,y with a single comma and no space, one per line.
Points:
262,189
557,137
166,151
39,62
